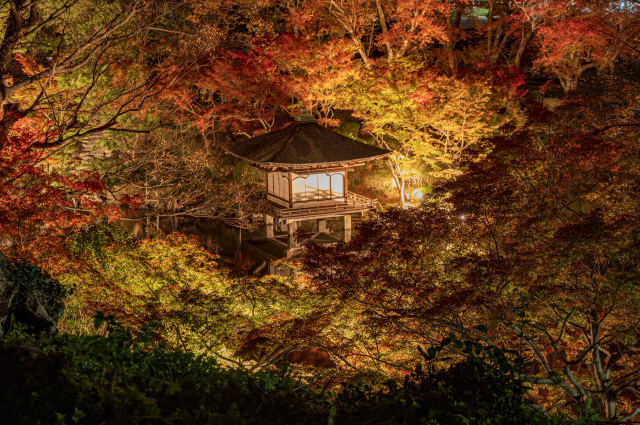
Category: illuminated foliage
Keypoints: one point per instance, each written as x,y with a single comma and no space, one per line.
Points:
175,285
532,233
64,77
35,215
537,240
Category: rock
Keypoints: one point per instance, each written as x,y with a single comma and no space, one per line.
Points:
8,293
27,303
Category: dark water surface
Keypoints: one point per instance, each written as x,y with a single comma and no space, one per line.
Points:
239,249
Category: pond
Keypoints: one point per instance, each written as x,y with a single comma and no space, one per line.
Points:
239,249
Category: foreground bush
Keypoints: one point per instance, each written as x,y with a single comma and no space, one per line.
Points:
117,379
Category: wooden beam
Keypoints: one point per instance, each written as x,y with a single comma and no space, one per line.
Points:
307,167
320,216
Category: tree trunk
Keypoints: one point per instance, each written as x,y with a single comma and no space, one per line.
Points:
569,83
527,33
400,183
383,24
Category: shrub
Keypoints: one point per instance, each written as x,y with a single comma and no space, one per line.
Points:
119,379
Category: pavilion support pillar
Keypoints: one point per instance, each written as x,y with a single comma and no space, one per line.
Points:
346,227
322,225
268,222
291,230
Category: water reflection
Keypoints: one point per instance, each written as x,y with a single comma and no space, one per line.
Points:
239,249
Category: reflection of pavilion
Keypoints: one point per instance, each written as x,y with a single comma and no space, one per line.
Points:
306,168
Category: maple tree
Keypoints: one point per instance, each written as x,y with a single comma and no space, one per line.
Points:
175,286
174,175
246,87
64,77
510,27
558,257
383,294
538,241
34,214
574,42
543,204
77,73
427,118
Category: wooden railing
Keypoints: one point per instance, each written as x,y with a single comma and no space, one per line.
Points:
355,204
359,198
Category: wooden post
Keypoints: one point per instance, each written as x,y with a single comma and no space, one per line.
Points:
292,227
268,221
290,190
322,225
346,188
346,227
266,174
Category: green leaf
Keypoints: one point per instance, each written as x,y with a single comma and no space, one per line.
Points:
172,388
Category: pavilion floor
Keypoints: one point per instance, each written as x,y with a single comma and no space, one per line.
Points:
355,205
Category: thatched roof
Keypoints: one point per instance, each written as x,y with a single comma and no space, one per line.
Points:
304,144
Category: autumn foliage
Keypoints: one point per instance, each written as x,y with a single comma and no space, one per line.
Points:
36,212
519,118
533,248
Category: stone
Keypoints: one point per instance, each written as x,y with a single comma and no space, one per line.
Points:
8,294
292,228
268,221
24,304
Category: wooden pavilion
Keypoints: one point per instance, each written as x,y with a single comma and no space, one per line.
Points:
306,167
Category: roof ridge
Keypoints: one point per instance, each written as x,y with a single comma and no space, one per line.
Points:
305,144
287,143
